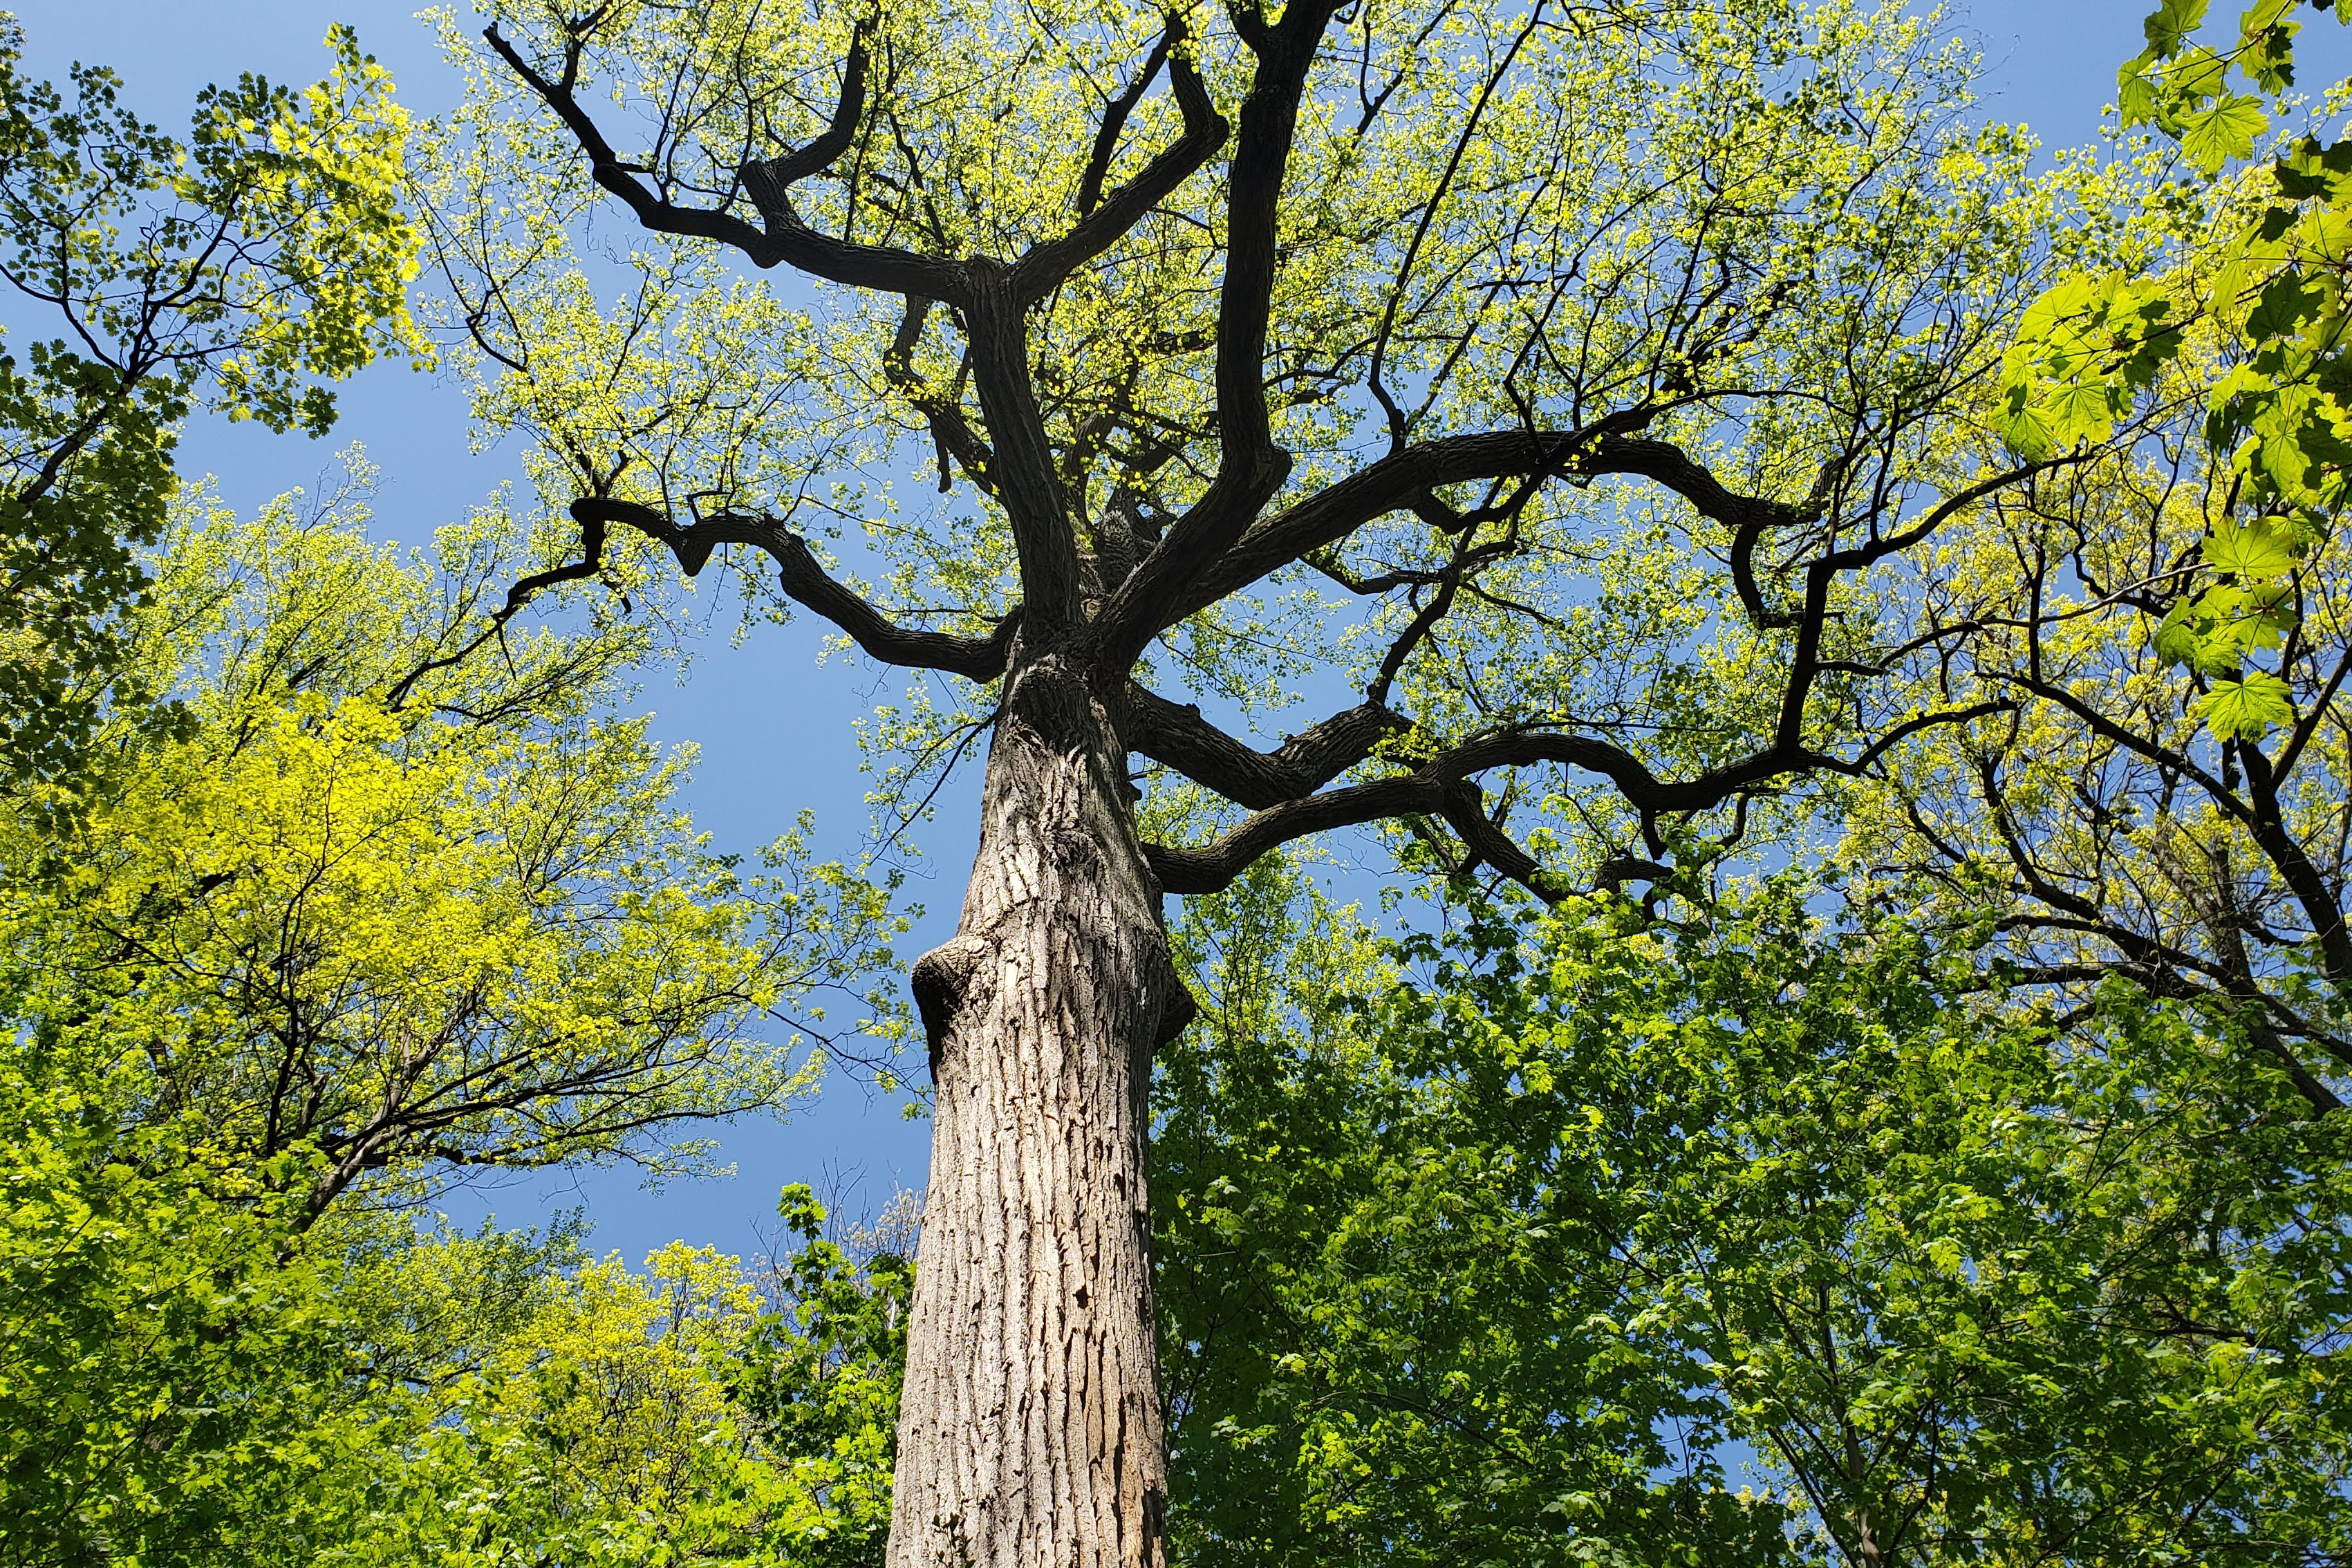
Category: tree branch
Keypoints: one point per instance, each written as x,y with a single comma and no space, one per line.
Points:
951,433
1043,266
1430,790
1179,737
591,562
1250,466
1404,481
808,584
785,238
1114,120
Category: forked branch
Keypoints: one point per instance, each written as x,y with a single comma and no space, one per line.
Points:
1179,737
1435,788
784,238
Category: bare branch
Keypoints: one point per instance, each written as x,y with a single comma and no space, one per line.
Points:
1179,737
809,586
951,433
591,562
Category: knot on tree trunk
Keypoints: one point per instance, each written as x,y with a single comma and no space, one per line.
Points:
939,979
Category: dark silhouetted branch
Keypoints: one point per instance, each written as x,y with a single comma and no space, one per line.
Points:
807,584
1102,222
783,239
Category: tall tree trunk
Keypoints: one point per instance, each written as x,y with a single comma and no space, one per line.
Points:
1030,1427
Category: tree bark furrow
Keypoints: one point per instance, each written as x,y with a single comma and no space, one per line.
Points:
1032,1382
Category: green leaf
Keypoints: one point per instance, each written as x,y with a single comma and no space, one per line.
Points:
2251,551
2286,304
2211,137
2027,432
2168,25
2246,710
2266,44
2175,638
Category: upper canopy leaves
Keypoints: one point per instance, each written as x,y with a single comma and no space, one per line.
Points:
1200,316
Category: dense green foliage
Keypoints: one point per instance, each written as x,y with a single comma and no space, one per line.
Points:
1575,1238
699,1411
164,1362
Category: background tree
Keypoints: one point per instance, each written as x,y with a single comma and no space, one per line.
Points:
1756,1237
1426,352
164,1364
237,272
464,929
303,959
2165,621
699,1412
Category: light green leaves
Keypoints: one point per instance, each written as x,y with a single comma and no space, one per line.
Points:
2182,87
2273,355
2083,349
2168,25
2250,612
2252,551
2213,136
502,942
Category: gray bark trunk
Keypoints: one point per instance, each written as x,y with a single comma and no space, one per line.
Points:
1030,1428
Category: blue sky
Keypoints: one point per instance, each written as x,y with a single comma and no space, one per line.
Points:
776,733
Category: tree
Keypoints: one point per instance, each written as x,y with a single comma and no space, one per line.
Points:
527,1402
1204,316
822,1369
295,963
2164,620
1516,1243
598,1425
237,272
461,929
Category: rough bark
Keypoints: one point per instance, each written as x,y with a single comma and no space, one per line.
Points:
1030,1427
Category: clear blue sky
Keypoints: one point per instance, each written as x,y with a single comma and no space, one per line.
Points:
776,733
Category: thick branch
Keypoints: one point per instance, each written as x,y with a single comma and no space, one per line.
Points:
1023,471
1250,466
1430,789
784,240
807,584
1402,482
777,175
1043,266
1179,737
